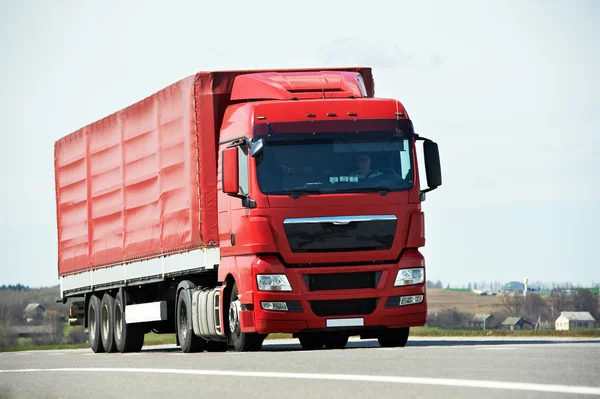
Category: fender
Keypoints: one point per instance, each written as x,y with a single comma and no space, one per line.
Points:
240,268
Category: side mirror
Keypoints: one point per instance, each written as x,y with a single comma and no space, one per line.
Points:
230,171
257,148
432,165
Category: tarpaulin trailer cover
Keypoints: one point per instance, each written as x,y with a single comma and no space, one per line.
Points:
142,182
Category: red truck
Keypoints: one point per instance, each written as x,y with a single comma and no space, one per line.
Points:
235,204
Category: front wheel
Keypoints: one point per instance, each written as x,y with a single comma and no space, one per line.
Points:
242,342
396,337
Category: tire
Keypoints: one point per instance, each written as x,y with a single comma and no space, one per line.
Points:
336,341
93,317
216,346
311,342
128,337
188,341
107,323
394,338
241,341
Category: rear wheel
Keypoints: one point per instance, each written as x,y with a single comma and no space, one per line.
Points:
128,337
396,337
188,341
242,342
336,340
107,323
312,341
94,310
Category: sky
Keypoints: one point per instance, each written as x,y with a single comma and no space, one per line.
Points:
510,90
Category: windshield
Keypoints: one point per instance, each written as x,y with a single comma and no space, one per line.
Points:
335,162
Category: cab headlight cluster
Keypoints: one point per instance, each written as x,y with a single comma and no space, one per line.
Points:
273,282
410,276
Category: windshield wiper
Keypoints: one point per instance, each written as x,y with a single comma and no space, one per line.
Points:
383,190
297,192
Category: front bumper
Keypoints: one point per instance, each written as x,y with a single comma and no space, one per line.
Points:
353,310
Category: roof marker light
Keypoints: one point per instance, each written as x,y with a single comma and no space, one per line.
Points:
261,118
331,114
311,115
351,113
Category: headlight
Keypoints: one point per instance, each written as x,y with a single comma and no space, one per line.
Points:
410,276
273,282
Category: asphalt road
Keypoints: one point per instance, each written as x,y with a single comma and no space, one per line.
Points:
427,367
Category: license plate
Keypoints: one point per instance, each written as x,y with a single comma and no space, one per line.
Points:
357,322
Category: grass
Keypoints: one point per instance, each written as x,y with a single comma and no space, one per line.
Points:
463,301
437,332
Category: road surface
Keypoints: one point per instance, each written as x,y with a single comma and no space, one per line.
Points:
427,367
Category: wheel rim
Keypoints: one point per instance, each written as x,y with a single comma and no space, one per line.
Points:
118,322
105,321
183,320
234,317
92,323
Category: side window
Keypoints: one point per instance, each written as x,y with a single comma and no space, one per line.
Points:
405,159
243,170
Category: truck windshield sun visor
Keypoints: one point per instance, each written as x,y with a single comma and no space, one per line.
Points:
327,157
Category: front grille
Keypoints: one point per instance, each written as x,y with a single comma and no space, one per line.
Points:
342,281
353,233
344,307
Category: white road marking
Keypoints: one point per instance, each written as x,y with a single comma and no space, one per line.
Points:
517,386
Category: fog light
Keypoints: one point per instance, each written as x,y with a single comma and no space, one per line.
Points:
411,299
280,306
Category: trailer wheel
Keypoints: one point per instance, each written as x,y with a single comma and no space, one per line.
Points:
187,339
311,341
93,316
336,340
128,337
107,323
242,342
396,337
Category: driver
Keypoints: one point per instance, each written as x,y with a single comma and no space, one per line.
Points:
364,171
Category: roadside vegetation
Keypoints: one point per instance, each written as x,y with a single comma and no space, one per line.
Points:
451,314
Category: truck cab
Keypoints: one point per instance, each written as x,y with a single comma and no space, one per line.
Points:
320,215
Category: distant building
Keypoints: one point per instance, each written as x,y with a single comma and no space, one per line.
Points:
482,321
514,286
516,323
517,287
33,312
574,320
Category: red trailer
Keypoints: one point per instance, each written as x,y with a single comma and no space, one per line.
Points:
224,208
